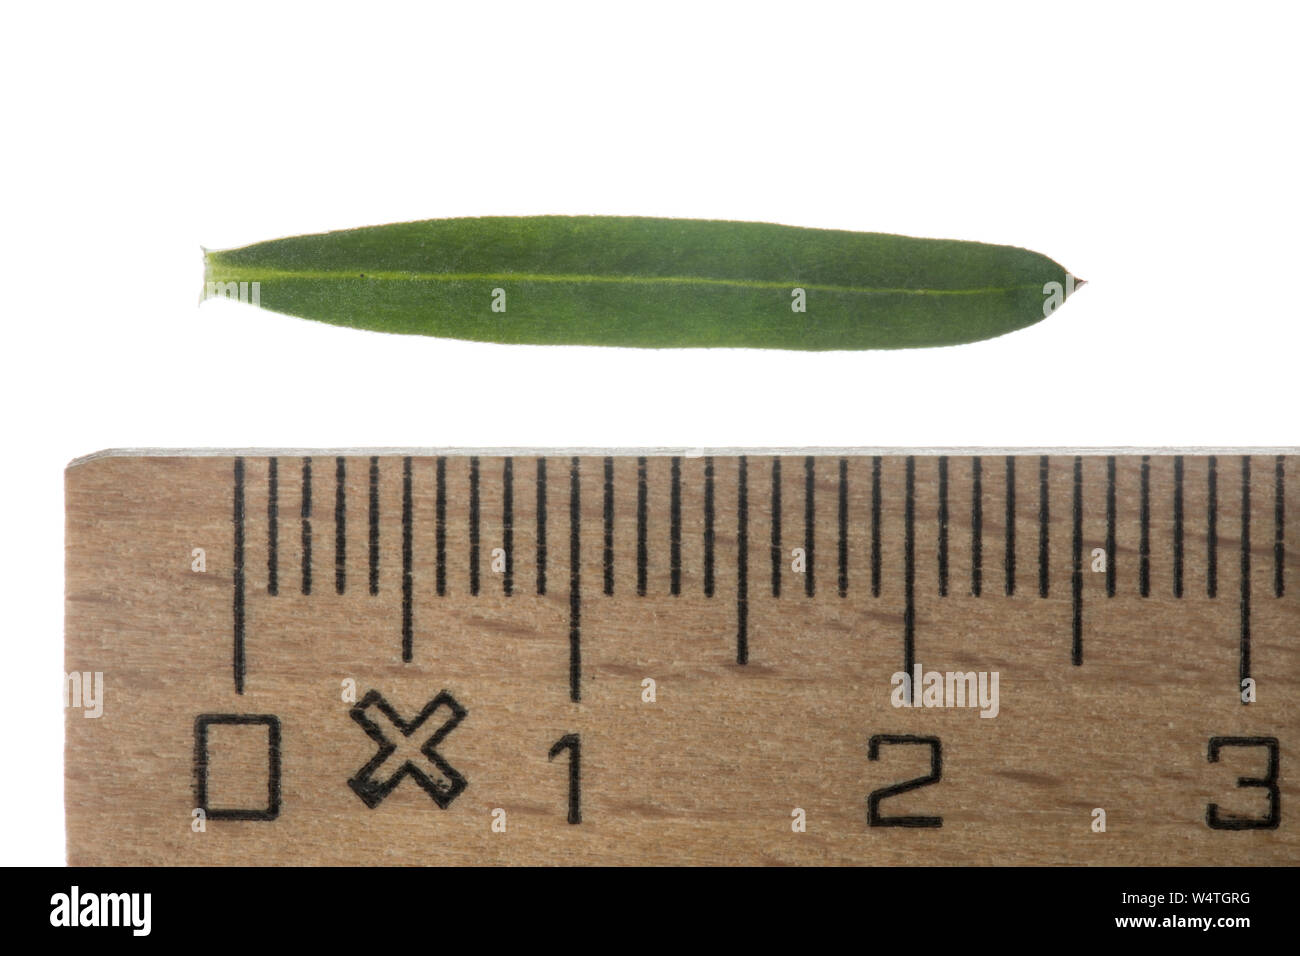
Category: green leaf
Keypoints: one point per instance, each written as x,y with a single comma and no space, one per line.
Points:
648,283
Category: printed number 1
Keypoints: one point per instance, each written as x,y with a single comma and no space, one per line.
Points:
573,745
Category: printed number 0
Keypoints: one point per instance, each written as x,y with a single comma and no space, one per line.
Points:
1274,817
874,817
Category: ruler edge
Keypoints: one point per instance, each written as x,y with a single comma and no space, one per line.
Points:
661,451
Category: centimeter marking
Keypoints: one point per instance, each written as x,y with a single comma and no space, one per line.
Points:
844,523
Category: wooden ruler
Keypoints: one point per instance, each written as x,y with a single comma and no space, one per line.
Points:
428,658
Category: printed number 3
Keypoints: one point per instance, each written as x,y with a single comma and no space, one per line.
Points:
1274,817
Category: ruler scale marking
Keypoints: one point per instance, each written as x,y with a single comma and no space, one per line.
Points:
1076,574
709,517
273,528
1178,526
305,519
809,524
608,522
1212,529
575,581
440,525
642,532
909,566
776,527
1244,671
474,517
508,525
408,552
237,559
742,560
1144,539
843,528
340,525
541,525
876,541
1044,520
809,540
1009,558
675,529
977,527
1279,526
1112,557
374,525
943,526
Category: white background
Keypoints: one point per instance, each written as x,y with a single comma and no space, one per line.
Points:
1149,148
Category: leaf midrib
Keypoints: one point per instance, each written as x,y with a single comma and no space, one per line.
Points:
220,273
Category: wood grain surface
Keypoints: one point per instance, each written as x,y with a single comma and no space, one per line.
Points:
325,573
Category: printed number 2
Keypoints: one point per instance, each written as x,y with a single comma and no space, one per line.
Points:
936,774
1269,783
